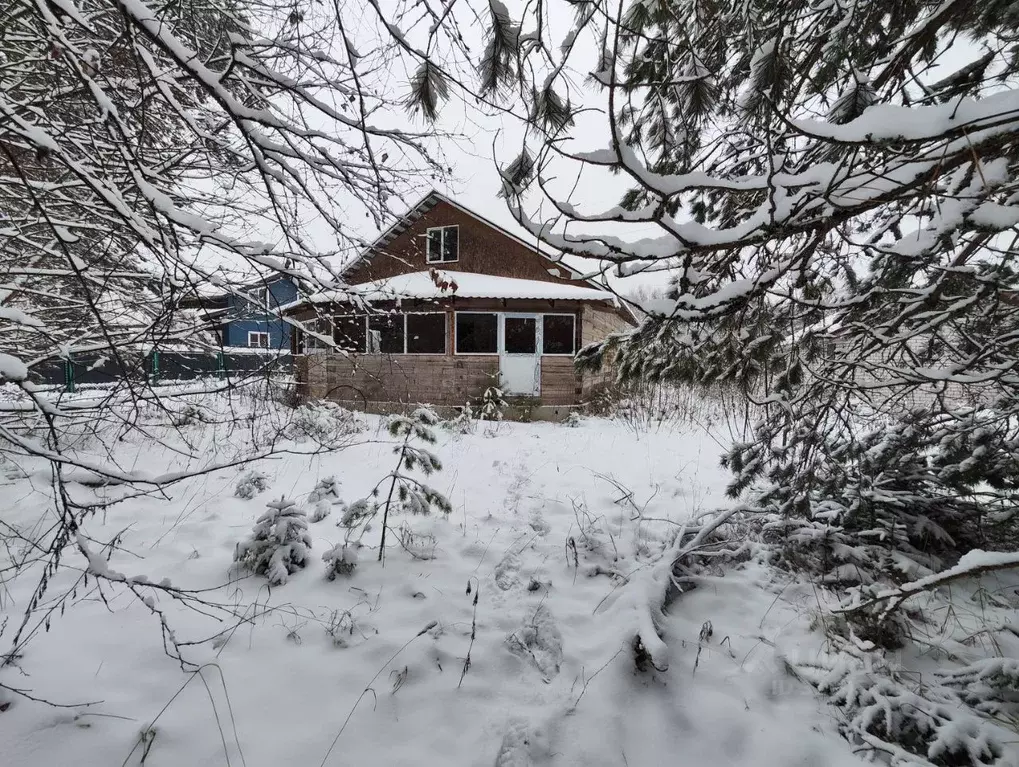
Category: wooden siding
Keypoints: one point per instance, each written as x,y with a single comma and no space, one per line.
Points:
483,250
432,379
596,324
599,322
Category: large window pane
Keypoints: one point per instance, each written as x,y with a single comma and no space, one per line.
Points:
477,333
426,333
451,243
521,335
349,333
558,334
434,245
385,334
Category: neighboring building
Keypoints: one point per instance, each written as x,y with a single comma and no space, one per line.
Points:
252,320
446,304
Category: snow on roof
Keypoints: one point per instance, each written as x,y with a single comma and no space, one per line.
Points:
468,285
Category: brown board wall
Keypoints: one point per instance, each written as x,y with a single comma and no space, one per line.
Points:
483,250
596,324
423,379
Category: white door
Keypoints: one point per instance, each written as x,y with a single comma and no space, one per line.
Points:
519,356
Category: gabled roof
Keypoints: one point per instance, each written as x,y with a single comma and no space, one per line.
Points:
428,202
422,285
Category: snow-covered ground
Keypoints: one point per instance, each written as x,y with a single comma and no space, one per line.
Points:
550,678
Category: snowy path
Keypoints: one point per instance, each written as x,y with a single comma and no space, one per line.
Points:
278,690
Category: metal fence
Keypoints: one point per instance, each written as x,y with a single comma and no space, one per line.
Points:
159,367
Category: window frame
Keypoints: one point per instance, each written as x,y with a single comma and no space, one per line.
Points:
538,328
428,244
259,300
574,335
268,339
369,331
309,344
498,336
335,323
445,336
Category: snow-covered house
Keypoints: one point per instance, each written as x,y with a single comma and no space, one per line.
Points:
249,318
446,304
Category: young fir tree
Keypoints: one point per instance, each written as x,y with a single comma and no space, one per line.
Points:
323,497
492,404
279,543
401,491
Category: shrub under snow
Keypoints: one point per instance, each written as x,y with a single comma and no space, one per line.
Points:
279,543
463,422
341,559
251,484
323,422
324,495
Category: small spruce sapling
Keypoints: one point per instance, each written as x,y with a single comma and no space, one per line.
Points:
251,484
405,492
341,559
326,423
463,422
279,543
492,405
356,519
323,497
573,420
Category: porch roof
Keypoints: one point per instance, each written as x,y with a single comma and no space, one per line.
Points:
421,285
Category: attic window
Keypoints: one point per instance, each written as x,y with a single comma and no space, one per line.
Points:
443,244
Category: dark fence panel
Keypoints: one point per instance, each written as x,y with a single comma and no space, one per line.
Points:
94,369
249,364
49,373
160,367
181,366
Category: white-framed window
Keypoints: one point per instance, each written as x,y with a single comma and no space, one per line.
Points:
392,333
407,333
443,244
258,339
260,298
425,332
477,333
350,332
559,335
315,328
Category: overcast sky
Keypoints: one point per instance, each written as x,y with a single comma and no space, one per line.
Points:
481,137
472,140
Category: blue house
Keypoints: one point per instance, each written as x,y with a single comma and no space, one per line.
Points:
250,319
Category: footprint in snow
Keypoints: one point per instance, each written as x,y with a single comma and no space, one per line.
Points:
538,523
506,571
518,747
540,642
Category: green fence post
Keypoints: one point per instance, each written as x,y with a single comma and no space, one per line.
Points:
155,366
220,365
69,374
